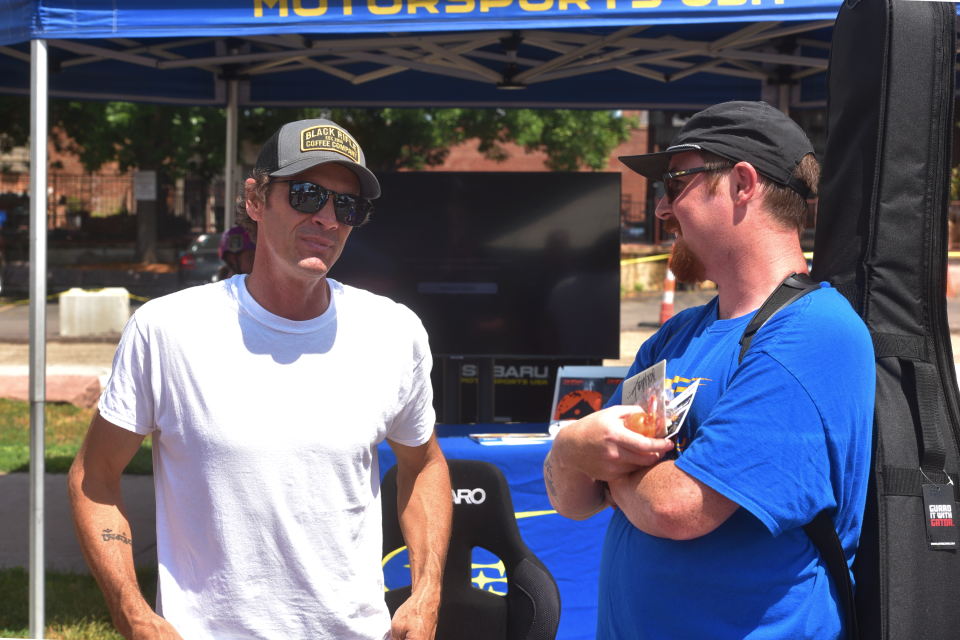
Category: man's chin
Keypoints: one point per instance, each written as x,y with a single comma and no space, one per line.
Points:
685,264
314,266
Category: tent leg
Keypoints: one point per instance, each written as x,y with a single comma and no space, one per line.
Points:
38,324
230,168
785,98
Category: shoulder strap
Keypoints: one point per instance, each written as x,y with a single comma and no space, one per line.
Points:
820,530
793,287
824,536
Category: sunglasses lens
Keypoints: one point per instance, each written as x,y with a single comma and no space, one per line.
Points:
672,188
307,197
352,210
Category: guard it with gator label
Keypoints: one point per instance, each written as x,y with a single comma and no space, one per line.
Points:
938,509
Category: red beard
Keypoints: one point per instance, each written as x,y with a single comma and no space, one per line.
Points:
685,264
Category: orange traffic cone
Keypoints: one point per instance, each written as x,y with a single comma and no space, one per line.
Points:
950,292
666,307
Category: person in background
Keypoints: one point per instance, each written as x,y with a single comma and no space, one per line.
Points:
237,251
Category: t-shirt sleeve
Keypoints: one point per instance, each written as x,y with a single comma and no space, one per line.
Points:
415,419
128,399
764,447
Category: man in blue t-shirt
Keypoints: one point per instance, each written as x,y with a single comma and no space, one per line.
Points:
706,538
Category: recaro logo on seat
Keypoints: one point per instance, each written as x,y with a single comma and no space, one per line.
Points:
470,496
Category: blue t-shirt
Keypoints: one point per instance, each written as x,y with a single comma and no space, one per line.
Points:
784,435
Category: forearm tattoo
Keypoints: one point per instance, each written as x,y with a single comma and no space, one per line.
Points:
109,535
548,476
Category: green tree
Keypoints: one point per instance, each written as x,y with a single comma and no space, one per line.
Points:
14,122
418,138
175,140
186,140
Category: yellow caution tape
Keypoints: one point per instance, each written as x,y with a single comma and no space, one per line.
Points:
808,255
20,303
644,259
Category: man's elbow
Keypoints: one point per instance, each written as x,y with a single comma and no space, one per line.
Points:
676,521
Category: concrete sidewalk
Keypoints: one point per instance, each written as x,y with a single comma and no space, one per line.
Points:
76,372
61,547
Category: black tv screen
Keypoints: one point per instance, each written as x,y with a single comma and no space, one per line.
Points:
497,264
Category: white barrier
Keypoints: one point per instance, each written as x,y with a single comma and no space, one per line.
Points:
91,313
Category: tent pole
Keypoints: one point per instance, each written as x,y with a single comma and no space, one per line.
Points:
785,98
38,324
230,168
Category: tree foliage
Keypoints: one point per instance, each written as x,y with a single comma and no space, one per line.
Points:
177,140
183,140
14,122
418,138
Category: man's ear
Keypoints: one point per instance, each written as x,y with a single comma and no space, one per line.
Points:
744,183
254,206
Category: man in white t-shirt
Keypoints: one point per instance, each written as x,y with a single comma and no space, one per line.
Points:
266,396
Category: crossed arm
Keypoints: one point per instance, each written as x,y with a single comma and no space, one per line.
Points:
426,517
103,529
596,462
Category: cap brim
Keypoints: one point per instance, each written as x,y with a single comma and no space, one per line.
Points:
652,165
369,187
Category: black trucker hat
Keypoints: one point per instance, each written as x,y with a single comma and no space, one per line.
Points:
297,146
753,132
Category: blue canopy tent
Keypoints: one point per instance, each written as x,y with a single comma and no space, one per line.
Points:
599,54
622,54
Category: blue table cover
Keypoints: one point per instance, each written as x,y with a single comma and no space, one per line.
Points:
571,550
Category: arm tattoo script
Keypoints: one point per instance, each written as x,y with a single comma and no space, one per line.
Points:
548,476
109,535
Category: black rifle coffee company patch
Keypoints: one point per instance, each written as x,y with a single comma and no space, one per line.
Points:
938,509
329,138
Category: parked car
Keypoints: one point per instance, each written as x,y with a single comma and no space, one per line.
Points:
199,263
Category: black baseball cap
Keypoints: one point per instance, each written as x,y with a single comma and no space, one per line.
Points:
297,146
739,131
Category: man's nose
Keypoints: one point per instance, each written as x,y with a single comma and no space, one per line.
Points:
664,209
326,217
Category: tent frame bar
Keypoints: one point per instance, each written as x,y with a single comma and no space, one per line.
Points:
454,55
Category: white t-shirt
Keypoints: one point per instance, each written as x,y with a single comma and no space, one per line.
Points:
265,435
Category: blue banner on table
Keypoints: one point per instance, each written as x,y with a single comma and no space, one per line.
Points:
571,550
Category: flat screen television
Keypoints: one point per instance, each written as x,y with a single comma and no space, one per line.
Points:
497,264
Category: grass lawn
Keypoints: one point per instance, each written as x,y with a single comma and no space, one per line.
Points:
75,608
66,425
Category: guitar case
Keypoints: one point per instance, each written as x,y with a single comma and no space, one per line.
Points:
881,240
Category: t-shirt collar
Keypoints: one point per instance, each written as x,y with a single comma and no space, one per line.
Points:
252,307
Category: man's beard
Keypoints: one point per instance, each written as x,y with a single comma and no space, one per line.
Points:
684,263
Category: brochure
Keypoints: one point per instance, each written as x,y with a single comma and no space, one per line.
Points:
494,439
663,413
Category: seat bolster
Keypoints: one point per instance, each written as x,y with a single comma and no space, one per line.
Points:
534,612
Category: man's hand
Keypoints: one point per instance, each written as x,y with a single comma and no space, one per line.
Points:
603,449
153,628
590,452
415,620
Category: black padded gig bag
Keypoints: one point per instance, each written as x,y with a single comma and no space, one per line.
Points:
882,242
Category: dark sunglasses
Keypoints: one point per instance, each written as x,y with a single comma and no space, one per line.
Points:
672,187
307,197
